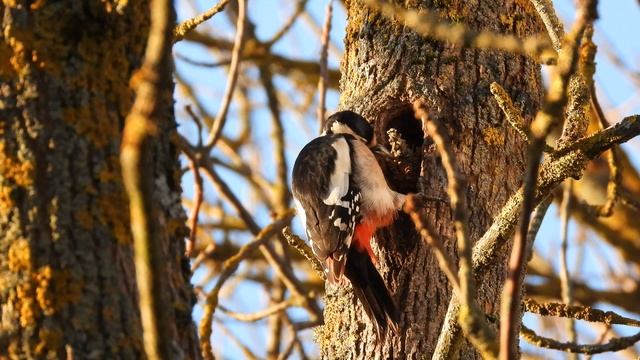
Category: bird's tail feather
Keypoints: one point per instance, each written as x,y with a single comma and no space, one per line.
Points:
370,289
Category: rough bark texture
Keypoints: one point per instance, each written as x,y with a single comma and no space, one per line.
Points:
385,68
67,284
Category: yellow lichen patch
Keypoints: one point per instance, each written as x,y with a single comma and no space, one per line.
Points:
83,218
6,203
43,295
26,304
506,20
55,289
20,172
492,136
19,256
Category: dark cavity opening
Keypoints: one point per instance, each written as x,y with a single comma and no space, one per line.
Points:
407,126
401,133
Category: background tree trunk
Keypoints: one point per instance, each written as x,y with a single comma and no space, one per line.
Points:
66,270
385,68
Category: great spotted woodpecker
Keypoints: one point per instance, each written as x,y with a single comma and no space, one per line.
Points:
343,197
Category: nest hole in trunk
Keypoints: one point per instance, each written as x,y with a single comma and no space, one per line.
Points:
401,133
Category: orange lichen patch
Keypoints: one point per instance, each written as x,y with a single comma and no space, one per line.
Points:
6,203
83,218
55,289
113,211
19,256
43,280
20,172
26,304
492,136
37,4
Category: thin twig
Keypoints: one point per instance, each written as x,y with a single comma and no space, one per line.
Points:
186,26
566,287
297,243
259,315
585,313
471,318
300,7
135,159
229,267
513,114
629,199
615,175
207,64
195,209
324,58
428,24
236,53
248,354
615,344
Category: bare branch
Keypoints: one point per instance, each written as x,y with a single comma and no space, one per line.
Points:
548,15
195,210
230,266
259,315
304,249
512,114
300,6
186,26
324,58
238,45
585,313
566,287
135,157
616,344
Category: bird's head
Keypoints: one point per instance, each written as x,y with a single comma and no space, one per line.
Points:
349,122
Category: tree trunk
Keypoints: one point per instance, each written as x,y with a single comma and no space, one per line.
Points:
385,68
67,277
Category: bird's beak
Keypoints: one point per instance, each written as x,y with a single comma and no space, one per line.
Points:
335,265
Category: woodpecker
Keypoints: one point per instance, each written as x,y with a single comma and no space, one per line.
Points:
343,197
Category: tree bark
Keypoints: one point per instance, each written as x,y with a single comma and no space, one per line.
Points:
385,68
66,269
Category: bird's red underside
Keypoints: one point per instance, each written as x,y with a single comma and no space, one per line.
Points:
365,230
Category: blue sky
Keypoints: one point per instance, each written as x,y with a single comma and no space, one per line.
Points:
619,24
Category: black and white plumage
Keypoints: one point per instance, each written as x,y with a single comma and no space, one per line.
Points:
343,198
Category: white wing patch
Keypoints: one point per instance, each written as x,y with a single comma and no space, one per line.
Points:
339,181
301,214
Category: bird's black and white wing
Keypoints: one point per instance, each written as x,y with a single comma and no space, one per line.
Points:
327,198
